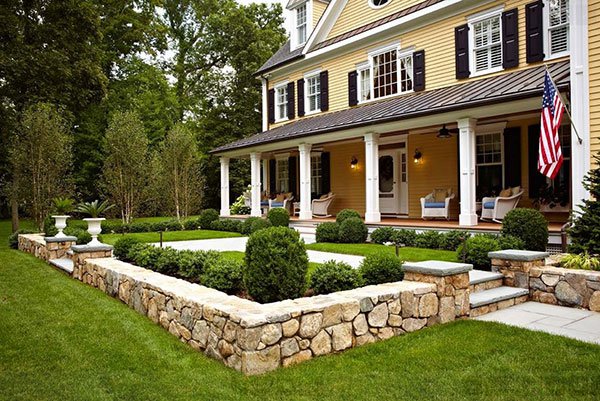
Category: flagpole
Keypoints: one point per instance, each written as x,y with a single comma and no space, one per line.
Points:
565,103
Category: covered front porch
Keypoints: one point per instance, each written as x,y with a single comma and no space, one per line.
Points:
383,169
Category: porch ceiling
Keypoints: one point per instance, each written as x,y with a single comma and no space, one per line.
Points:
470,99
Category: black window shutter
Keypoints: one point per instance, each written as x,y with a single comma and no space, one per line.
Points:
324,81
352,89
461,44
292,174
300,85
534,31
271,105
419,70
291,98
325,172
512,157
272,174
510,38
536,179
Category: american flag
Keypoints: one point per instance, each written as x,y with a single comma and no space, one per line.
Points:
550,153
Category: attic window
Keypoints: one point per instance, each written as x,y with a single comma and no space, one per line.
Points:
378,3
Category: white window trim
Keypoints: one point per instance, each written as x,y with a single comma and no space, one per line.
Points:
276,87
492,129
314,188
359,68
279,158
311,74
400,53
374,7
293,24
473,19
546,33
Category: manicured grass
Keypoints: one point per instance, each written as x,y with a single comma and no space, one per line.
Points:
82,224
187,235
63,340
407,254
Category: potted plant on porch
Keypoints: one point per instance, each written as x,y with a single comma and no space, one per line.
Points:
62,206
94,210
552,199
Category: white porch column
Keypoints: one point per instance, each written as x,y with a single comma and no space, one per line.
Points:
265,172
372,214
224,186
305,189
580,100
255,184
468,215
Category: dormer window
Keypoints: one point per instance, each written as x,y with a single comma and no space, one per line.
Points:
301,24
378,3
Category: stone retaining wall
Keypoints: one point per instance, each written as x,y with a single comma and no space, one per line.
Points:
45,248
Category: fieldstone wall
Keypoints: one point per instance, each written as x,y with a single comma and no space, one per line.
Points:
255,338
45,248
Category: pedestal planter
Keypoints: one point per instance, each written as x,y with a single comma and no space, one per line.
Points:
60,224
94,228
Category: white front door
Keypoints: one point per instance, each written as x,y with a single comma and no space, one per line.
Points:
393,181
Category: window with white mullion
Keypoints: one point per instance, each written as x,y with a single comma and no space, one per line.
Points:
316,174
301,23
489,163
281,102
487,44
364,84
406,73
385,74
558,26
313,93
283,175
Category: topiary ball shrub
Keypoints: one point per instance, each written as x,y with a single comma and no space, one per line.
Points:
276,265
429,240
328,232
510,242
451,240
346,214
123,246
405,237
334,276
530,225
279,217
224,275
383,234
207,217
381,268
353,231
475,251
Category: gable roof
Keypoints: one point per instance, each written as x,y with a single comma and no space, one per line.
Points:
281,56
515,85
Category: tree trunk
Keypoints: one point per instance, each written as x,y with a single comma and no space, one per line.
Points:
14,214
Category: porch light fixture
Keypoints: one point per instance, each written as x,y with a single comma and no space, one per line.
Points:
446,133
417,157
353,162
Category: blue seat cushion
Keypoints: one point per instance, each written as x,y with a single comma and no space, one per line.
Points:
264,203
276,204
435,205
488,205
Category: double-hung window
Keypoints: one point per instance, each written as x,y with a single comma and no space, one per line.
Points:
301,23
313,93
316,174
283,174
281,104
387,73
364,83
486,39
489,164
557,25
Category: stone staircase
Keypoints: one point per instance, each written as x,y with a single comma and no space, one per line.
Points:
488,294
64,264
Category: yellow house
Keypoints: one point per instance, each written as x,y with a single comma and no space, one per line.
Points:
387,102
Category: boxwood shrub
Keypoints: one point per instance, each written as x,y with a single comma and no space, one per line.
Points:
246,227
328,232
405,237
122,247
231,225
428,239
353,231
224,275
83,237
279,217
207,217
144,255
529,225
346,214
141,227
475,251
191,224
510,242
192,264
381,268
382,235
451,240
276,265
334,276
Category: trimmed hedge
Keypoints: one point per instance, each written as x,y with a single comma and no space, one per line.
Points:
429,239
279,217
383,234
381,268
529,225
224,275
334,276
231,225
451,240
475,251
276,265
207,217
346,214
405,237
353,231
122,247
328,232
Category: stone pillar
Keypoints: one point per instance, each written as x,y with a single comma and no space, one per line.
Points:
515,265
80,253
255,184
305,188
372,214
468,215
452,281
225,186
57,248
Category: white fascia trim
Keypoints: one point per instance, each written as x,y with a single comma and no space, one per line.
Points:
265,106
325,24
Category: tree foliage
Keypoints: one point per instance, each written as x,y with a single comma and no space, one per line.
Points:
585,233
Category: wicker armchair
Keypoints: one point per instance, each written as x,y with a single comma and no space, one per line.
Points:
496,208
320,207
432,209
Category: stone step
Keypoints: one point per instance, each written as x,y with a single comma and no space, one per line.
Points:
496,298
480,280
64,264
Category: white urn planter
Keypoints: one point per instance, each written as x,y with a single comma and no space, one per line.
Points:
94,228
60,224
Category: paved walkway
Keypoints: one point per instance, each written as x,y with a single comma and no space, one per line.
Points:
579,324
239,244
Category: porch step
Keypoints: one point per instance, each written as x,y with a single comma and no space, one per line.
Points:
491,300
480,280
64,264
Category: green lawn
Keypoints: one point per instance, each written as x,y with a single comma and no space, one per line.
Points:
63,340
170,236
407,254
82,224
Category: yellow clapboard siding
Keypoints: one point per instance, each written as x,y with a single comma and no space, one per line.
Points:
318,10
594,74
347,184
